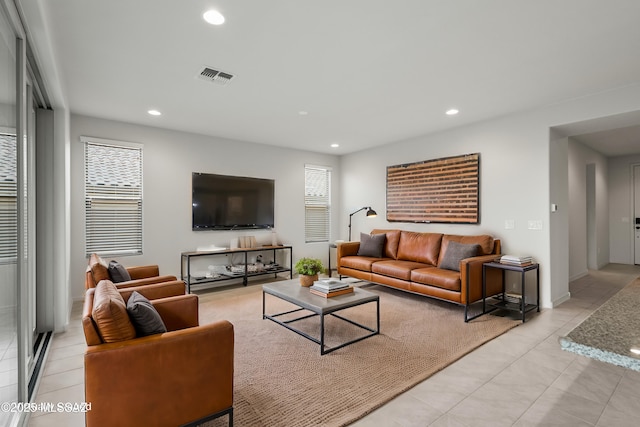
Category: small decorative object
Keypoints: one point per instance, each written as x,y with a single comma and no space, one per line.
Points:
308,269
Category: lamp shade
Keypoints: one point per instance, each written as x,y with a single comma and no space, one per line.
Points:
370,214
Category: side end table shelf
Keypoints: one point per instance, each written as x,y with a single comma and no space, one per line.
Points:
187,257
500,301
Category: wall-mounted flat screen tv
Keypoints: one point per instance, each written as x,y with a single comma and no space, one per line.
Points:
222,202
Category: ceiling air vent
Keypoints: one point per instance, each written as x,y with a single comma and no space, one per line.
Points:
215,76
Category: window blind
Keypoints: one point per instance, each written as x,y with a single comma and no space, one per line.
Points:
113,198
8,199
317,203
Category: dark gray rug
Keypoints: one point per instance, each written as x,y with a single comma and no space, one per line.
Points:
612,333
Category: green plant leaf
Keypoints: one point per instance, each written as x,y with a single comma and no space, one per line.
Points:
309,266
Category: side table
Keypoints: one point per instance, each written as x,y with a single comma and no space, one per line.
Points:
501,302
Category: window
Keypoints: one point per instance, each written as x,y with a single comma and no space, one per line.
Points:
8,199
317,203
113,197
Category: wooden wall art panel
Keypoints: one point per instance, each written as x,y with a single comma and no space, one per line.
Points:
440,190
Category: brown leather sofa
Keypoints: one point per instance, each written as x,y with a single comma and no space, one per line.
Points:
98,269
412,261
179,377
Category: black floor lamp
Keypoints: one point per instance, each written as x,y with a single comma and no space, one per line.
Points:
370,214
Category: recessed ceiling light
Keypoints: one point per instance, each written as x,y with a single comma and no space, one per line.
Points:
452,112
303,113
213,17
335,145
154,112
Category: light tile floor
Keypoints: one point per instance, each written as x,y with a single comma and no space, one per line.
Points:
8,360
521,378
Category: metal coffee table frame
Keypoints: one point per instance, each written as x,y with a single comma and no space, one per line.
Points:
319,306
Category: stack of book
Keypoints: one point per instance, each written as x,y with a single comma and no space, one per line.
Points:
512,297
330,288
520,261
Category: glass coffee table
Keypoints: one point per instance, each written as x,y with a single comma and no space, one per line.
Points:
320,306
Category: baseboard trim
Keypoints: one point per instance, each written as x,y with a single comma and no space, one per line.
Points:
578,276
558,301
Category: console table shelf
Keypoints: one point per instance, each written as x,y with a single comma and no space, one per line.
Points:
508,305
187,257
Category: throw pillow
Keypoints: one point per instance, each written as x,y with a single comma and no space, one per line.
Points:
371,245
456,252
144,316
118,273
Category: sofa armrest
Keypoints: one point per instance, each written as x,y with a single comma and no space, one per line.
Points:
178,312
91,335
155,290
471,274
164,379
347,249
143,271
145,281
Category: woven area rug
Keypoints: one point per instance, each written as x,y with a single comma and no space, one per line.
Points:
612,331
281,379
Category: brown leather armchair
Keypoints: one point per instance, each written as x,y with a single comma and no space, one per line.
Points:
179,377
98,270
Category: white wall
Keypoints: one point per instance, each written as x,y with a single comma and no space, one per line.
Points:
621,215
514,176
558,220
579,157
515,181
169,159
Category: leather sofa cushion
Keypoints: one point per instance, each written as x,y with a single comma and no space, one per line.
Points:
446,279
391,243
99,268
359,262
396,268
110,314
419,247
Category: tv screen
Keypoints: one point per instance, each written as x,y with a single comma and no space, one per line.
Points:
222,202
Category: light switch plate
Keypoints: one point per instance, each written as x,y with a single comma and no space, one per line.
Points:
534,224
509,224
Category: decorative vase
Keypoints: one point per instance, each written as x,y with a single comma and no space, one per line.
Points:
307,281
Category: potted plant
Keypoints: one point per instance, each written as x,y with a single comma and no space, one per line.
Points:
308,269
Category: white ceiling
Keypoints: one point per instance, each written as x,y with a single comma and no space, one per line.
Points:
614,142
368,72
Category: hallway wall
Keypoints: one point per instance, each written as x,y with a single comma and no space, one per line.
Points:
580,156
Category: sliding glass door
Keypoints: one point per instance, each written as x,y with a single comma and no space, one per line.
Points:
17,222
9,365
